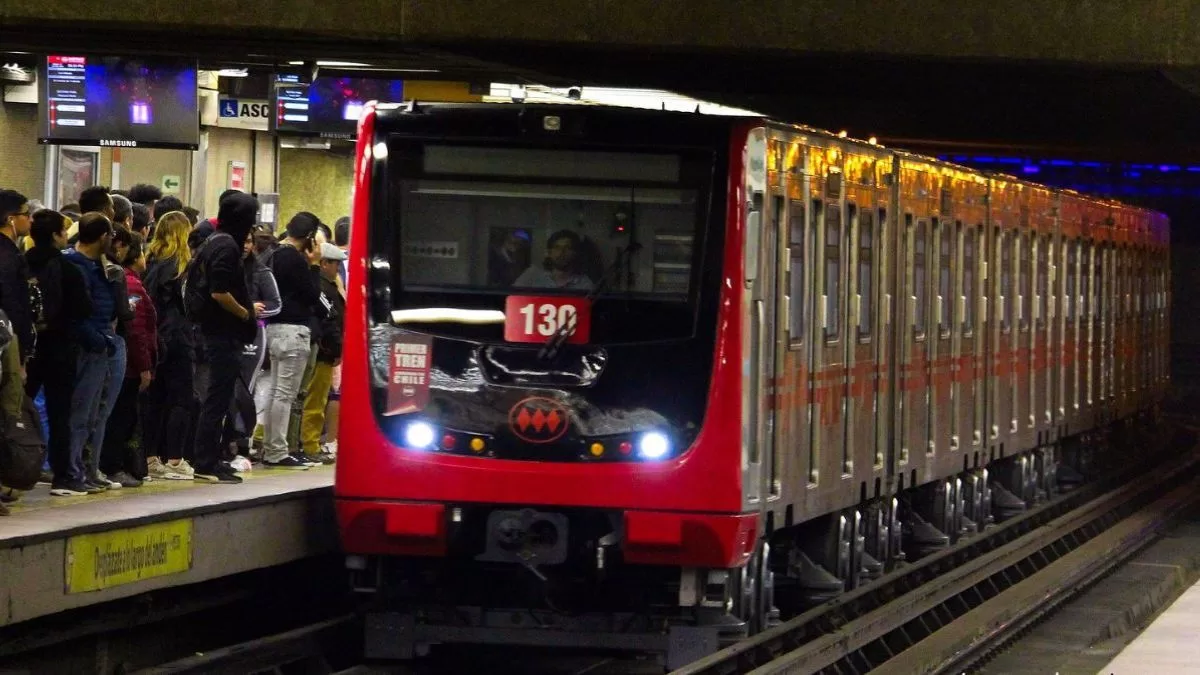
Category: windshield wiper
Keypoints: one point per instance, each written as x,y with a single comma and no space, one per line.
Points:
555,342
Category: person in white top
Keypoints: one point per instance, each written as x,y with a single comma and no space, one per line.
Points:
561,269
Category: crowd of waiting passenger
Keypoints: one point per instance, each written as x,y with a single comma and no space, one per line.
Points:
129,314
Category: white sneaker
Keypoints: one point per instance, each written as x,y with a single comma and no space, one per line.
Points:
182,468
157,470
241,464
330,448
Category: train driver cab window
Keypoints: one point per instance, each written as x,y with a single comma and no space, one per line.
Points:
945,283
797,270
919,280
1024,272
1007,241
968,274
866,289
833,272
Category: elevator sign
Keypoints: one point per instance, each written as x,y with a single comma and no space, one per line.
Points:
243,113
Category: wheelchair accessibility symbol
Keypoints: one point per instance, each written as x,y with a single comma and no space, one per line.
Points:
229,108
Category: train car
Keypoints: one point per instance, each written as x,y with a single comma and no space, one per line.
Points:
640,379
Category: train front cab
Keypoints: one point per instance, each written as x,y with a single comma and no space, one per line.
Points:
687,526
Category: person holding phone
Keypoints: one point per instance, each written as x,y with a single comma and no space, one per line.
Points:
289,334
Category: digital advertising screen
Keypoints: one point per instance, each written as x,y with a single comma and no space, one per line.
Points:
328,106
119,102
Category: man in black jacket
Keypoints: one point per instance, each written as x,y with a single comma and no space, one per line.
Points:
65,302
289,334
226,322
15,220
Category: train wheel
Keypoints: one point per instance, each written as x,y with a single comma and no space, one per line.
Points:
754,597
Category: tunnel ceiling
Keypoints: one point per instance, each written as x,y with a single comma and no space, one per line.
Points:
969,90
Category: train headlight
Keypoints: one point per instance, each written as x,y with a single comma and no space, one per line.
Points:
653,445
419,435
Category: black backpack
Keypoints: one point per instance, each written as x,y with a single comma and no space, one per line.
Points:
22,448
195,285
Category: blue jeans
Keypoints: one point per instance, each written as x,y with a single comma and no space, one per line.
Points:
96,388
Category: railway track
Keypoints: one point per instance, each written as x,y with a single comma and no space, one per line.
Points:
940,614
947,611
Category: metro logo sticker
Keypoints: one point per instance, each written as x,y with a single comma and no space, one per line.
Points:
409,363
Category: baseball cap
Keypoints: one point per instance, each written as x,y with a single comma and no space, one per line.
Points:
331,252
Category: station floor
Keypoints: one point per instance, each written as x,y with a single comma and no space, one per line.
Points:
59,553
1169,646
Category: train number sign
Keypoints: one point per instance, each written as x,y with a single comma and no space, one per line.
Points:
530,318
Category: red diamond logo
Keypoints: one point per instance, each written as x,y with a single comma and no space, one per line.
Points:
539,419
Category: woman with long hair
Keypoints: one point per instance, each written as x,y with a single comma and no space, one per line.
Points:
168,404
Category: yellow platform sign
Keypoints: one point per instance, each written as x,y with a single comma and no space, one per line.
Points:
106,559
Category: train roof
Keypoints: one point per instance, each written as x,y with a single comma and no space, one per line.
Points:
390,112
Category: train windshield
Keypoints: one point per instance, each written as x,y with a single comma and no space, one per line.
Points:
506,220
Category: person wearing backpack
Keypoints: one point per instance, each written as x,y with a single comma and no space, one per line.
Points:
217,299
65,302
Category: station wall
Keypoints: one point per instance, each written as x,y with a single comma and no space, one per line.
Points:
316,181
22,160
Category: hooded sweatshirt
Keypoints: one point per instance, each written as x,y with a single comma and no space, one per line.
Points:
220,259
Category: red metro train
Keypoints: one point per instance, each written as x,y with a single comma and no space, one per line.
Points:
632,378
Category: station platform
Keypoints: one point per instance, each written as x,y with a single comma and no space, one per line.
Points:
1169,646
61,553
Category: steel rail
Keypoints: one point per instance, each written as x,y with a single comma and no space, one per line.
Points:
967,640
821,637
306,643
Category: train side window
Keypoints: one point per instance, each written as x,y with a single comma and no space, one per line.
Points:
833,272
968,275
866,287
1070,292
1086,283
945,285
1042,304
1006,241
797,271
1024,272
922,298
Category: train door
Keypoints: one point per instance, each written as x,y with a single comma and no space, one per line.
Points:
941,353
912,335
1087,330
1043,309
829,345
1068,388
865,221
795,282
1022,411
761,223
969,392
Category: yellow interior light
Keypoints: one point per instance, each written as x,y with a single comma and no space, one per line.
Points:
477,444
597,449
